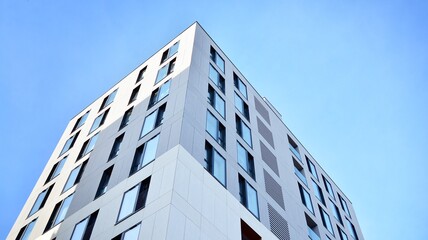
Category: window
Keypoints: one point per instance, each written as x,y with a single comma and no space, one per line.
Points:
165,70
116,146
105,178
134,94
342,234
69,143
130,234
216,129
125,118
344,205
75,176
248,196
313,232
56,169
318,192
99,121
144,154
83,230
59,212
306,199
294,148
215,163
80,121
248,233
216,101
25,232
240,85
336,212
217,78
217,59
108,100
141,74
245,160
159,93
312,168
300,173
242,106
41,200
88,146
352,229
328,187
153,120
169,52
243,130
326,220
134,199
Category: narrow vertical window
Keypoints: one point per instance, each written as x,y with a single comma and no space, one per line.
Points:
75,176
144,154
215,164
105,178
69,143
116,146
217,59
130,234
248,196
59,212
153,120
294,148
306,199
41,200
352,229
88,146
313,232
342,234
245,160
312,168
108,100
240,85
336,212
159,93
165,70
169,52
300,173
83,230
125,118
242,106
216,78
326,220
328,187
99,121
134,94
56,169
134,199
80,121
141,74
216,129
344,205
243,130
24,233
216,101
318,192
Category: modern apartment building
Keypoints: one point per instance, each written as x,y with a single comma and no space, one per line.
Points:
184,148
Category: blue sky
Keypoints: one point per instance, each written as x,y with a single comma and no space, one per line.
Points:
349,77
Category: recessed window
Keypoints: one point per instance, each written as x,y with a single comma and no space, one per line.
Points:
116,146
342,234
69,143
56,169
328,187
306,199
294,148
300,173
326,220
312,168
159,93
99,121
336,212
240,85
83,230
59,212
217,78
75,176
165,70
344,205
217,59
88,146
247,233
134,199
153,120
215,163
169,52
318,192
352,229
108,100
216,101
245,160
216,129
313,232
105,178
242,106
248,196
130,234
134,94
141,74
41,200
144,154
24,232
80,121
125,118
243,130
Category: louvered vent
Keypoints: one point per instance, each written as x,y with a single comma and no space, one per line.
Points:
273,189
278,225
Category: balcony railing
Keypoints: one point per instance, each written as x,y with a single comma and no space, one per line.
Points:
295,152
300,176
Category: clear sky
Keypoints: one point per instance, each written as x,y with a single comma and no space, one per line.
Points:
349,77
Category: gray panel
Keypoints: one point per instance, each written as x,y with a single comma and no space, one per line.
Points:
278,225
265,132
269,158
273,189
262,110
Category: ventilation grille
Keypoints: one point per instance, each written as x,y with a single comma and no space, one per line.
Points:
273,189
278,225
262,110
265,132
269,158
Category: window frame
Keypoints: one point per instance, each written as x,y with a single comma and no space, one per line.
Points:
238,83
139,201
108,100
125,119
220,130
240,130
212,160
249,161
217,59
166,70
138,161
158,120
155,97
215,100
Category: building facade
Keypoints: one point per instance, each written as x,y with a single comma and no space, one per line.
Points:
184,148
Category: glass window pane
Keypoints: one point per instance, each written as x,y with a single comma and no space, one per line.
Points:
79,230
164,90
252,204
162,73
219,105
28,230
91,144
242,157
38,202
212,125
128,203
111,98
219,168
150,150
242,88
72,178
132,234
96,123
214,75
58,168
63,211
173,49
149,123
246,134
